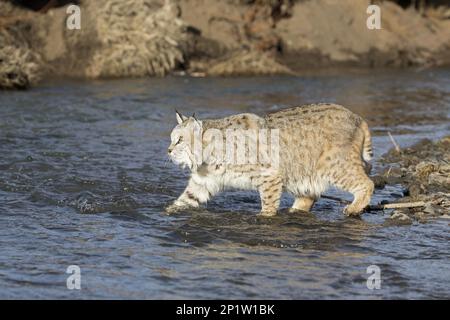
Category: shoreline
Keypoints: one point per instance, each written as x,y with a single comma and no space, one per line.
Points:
307,72
129,39
423,169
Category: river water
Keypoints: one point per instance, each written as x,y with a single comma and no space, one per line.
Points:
84,178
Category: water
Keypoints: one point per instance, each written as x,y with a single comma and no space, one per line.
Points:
84,178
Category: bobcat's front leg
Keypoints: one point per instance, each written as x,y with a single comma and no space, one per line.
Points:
194,194
270,193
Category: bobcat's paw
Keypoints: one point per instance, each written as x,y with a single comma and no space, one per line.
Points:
350,211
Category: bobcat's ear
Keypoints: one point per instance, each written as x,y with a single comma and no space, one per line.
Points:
196,120
197,124
180,117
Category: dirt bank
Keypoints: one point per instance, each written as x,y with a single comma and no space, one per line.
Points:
118,38
424,170
19,63
135,38
337,32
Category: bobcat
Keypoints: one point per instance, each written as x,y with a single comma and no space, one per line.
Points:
320,145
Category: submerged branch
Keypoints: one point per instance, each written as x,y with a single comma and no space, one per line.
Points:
380,207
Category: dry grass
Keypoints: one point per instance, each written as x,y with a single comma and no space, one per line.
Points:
133,38
19,65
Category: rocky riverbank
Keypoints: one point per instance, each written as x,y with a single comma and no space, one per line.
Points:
424,170
136,38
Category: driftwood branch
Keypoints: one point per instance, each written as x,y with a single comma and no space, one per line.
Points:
379,207
396,146
397,205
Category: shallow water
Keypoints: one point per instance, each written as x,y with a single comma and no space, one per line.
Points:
84,178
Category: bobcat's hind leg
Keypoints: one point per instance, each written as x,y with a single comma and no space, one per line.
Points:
354,179
302,204
270,192
362,192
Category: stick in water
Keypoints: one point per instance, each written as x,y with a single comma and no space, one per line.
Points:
394,205
396,146
397,205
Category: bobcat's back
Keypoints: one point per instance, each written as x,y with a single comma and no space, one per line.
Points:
318,142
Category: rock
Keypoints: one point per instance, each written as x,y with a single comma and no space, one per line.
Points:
415,189
420,216
429,210
400,218
426,174
379,181
442,179
423,169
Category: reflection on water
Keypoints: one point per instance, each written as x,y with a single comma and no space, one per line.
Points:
84,178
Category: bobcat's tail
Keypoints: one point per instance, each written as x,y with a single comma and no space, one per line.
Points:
367,153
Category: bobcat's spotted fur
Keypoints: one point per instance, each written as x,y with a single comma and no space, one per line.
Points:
320,145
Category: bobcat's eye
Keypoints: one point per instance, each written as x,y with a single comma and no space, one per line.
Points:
179,140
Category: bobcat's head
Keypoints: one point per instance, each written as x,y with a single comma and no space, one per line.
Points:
184,138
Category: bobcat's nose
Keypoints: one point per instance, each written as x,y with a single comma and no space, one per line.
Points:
169,150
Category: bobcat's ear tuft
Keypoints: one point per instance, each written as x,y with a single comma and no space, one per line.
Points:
197,123
180,117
